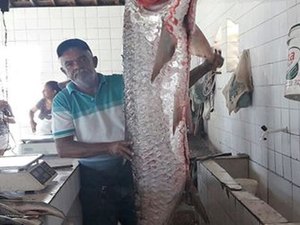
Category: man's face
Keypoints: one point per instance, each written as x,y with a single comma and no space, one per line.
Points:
79,66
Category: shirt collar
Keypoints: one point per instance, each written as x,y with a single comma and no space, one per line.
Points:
71,87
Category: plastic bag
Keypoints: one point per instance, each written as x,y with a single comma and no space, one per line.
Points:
238,91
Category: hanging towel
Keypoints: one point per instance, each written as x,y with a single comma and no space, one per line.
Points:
238,91
202,100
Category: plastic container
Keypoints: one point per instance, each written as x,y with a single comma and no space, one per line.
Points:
292,85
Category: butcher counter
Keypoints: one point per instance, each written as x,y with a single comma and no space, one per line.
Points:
62,192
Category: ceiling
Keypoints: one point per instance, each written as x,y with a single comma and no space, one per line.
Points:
53,3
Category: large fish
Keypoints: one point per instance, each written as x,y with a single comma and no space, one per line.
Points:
6,210
158,38
33,208
7,220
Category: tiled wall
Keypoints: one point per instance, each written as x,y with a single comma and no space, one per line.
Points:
101,27
263,29
33,35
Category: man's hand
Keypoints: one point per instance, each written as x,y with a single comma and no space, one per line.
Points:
121,148
206,66
217,62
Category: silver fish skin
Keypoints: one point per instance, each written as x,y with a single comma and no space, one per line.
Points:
152,107
5,220
33,208
24,221
10,220
6,210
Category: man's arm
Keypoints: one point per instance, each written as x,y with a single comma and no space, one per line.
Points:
206,66
68,147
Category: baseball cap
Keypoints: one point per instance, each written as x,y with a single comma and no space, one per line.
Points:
71,43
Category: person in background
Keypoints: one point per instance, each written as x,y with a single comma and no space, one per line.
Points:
6,117
51,88
63,84
89,123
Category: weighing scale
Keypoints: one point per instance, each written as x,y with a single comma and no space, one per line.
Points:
37,144
24,173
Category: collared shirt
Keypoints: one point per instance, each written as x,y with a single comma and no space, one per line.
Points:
91,119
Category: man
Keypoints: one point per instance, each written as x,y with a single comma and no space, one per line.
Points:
90,108
88,123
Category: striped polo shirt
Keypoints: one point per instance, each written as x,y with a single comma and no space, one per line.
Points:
91,119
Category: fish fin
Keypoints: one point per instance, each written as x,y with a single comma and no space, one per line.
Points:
199,45
165,51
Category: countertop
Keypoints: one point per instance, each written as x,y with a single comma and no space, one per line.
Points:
61,192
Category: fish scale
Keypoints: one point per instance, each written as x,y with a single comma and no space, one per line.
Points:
160,155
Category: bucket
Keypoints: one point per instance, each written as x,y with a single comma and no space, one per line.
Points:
292,85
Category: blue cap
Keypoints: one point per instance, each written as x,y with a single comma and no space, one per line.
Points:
72,43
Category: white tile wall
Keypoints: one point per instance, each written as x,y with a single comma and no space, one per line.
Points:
263,28
296,203
287,168
99,26
44,28
280,195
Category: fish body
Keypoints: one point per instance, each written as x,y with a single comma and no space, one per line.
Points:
5,220
33,208
24,221
6,210
156,56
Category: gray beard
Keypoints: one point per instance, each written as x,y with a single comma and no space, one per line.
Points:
83,78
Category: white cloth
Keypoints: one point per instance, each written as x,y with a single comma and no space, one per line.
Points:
44,127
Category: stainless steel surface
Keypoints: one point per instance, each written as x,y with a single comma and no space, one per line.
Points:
17,162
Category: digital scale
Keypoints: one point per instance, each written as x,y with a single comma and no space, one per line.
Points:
37,144
24,173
